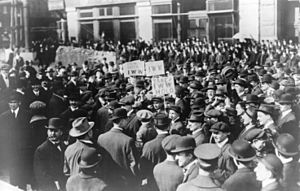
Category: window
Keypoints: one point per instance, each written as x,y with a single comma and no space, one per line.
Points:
163,31
86,14
224,27
5,9
101,12
219,5
193,23
202,23
108,11
127,29
127,10
161,9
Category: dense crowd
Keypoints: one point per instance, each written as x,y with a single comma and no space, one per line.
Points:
233,123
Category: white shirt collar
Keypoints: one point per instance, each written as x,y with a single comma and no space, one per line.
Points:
129,112
285,160
221,145
16,111
267,182
196,131
284,113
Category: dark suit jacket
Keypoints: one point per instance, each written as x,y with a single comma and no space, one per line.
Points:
290,173
185,108
177,127
288,124
168,175
48,166
102,118
200,137
200,183
133,125
85,182
30,97
243,179
56,106
123,152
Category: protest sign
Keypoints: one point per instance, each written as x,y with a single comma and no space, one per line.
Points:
68,55
155,68
134,68
163,85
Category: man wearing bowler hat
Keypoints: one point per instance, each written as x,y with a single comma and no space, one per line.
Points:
184,148
286,149
168,175
88,178
49,158
153,152
244,178
83,133
123,151
266,117
287,120
207,155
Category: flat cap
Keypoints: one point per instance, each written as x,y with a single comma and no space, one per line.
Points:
207,151
213,113
144,114
220,126
255,133
128,100
175,108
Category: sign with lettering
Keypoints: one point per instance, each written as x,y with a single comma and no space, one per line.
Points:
155,68
134,68
163,85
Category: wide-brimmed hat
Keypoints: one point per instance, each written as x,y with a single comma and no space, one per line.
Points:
267,109
80,126
286,145
119,113
89,158
184,144
241,150
55,123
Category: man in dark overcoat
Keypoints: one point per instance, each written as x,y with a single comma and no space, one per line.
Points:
49,158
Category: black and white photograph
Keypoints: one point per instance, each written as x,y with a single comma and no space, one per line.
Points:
149,95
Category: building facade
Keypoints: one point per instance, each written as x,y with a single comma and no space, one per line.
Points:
19,21
152,20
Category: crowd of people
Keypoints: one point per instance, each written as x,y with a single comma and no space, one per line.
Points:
233,123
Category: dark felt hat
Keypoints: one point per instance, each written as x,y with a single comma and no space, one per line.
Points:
196,118
267,109
286,145
128,100
241,150
169,142
255,133
89,158
119,113
220,127
184,79
213,113
161,121
286,99
184,143
157,99
55,123
175,108
241,82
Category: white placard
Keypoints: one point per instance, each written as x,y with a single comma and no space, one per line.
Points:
155,68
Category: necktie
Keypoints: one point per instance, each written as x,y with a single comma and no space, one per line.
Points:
14,114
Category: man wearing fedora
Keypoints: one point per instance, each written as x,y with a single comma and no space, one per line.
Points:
195,125
153,152
269,172
88,178
83,133
286,149
184,148
287,122
207,155
266,117
49,158
244,178
167,174
123,151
